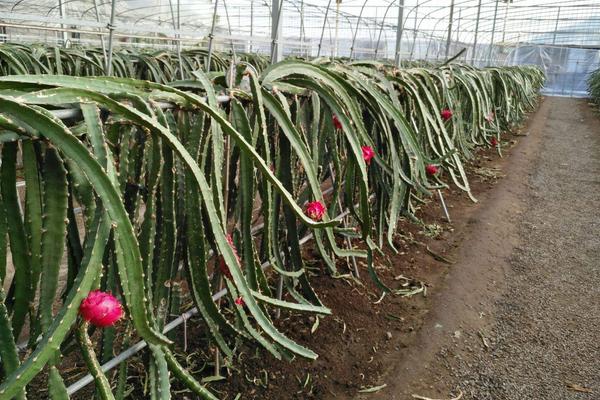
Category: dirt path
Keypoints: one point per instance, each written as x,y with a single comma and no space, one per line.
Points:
519,316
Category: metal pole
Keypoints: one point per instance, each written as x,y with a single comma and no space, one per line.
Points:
211,35
176,25
458,25
251,25
476,33
356,30
449,39
61,11
381,28
505,18
399,30
323,30
444,206
556,26
337,27
182,76
302,33
111,37
276,53
493,32
101,36
412,50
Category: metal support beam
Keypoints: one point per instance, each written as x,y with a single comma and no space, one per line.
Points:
176,19
302,32
111,38
61,11
458,25
412,49
450,21
323,29
505,19
276,51
337,28
211,35
476,33
251,25
556,26
491,49
101,36
399,30
356,30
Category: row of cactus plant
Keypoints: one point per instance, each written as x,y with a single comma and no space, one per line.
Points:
161,66
594,86
177,186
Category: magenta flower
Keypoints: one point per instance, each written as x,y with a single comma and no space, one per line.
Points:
368,154
446,114
315,210
336,122
240,301
101,309
431,169
493,141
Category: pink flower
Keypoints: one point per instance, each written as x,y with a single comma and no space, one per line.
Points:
368,153
490,117
315,210
493,141
446,114
240,301
101,309
222,265
431,169
336,122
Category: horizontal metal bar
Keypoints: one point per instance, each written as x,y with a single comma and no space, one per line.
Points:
76,112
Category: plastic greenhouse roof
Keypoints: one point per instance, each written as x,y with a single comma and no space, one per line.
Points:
574,22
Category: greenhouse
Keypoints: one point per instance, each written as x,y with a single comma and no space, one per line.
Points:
299,199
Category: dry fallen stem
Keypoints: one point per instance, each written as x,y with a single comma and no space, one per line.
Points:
416,396
578,388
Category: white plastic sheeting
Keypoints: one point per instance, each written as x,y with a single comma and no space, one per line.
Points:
567,68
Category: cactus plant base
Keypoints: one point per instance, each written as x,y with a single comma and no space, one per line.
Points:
345,341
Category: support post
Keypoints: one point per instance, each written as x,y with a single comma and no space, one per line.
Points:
251,26
356,30
302,33
556,26
176,25
111,38
476,33
323,29
491,49
61,11
101,36
276,53
412,49
444,206
211,35
450,21
505,19
337,27
458,25
399,30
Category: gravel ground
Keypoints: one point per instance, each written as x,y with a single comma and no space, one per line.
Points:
545,343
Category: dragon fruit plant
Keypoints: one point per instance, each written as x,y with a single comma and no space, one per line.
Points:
162,190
